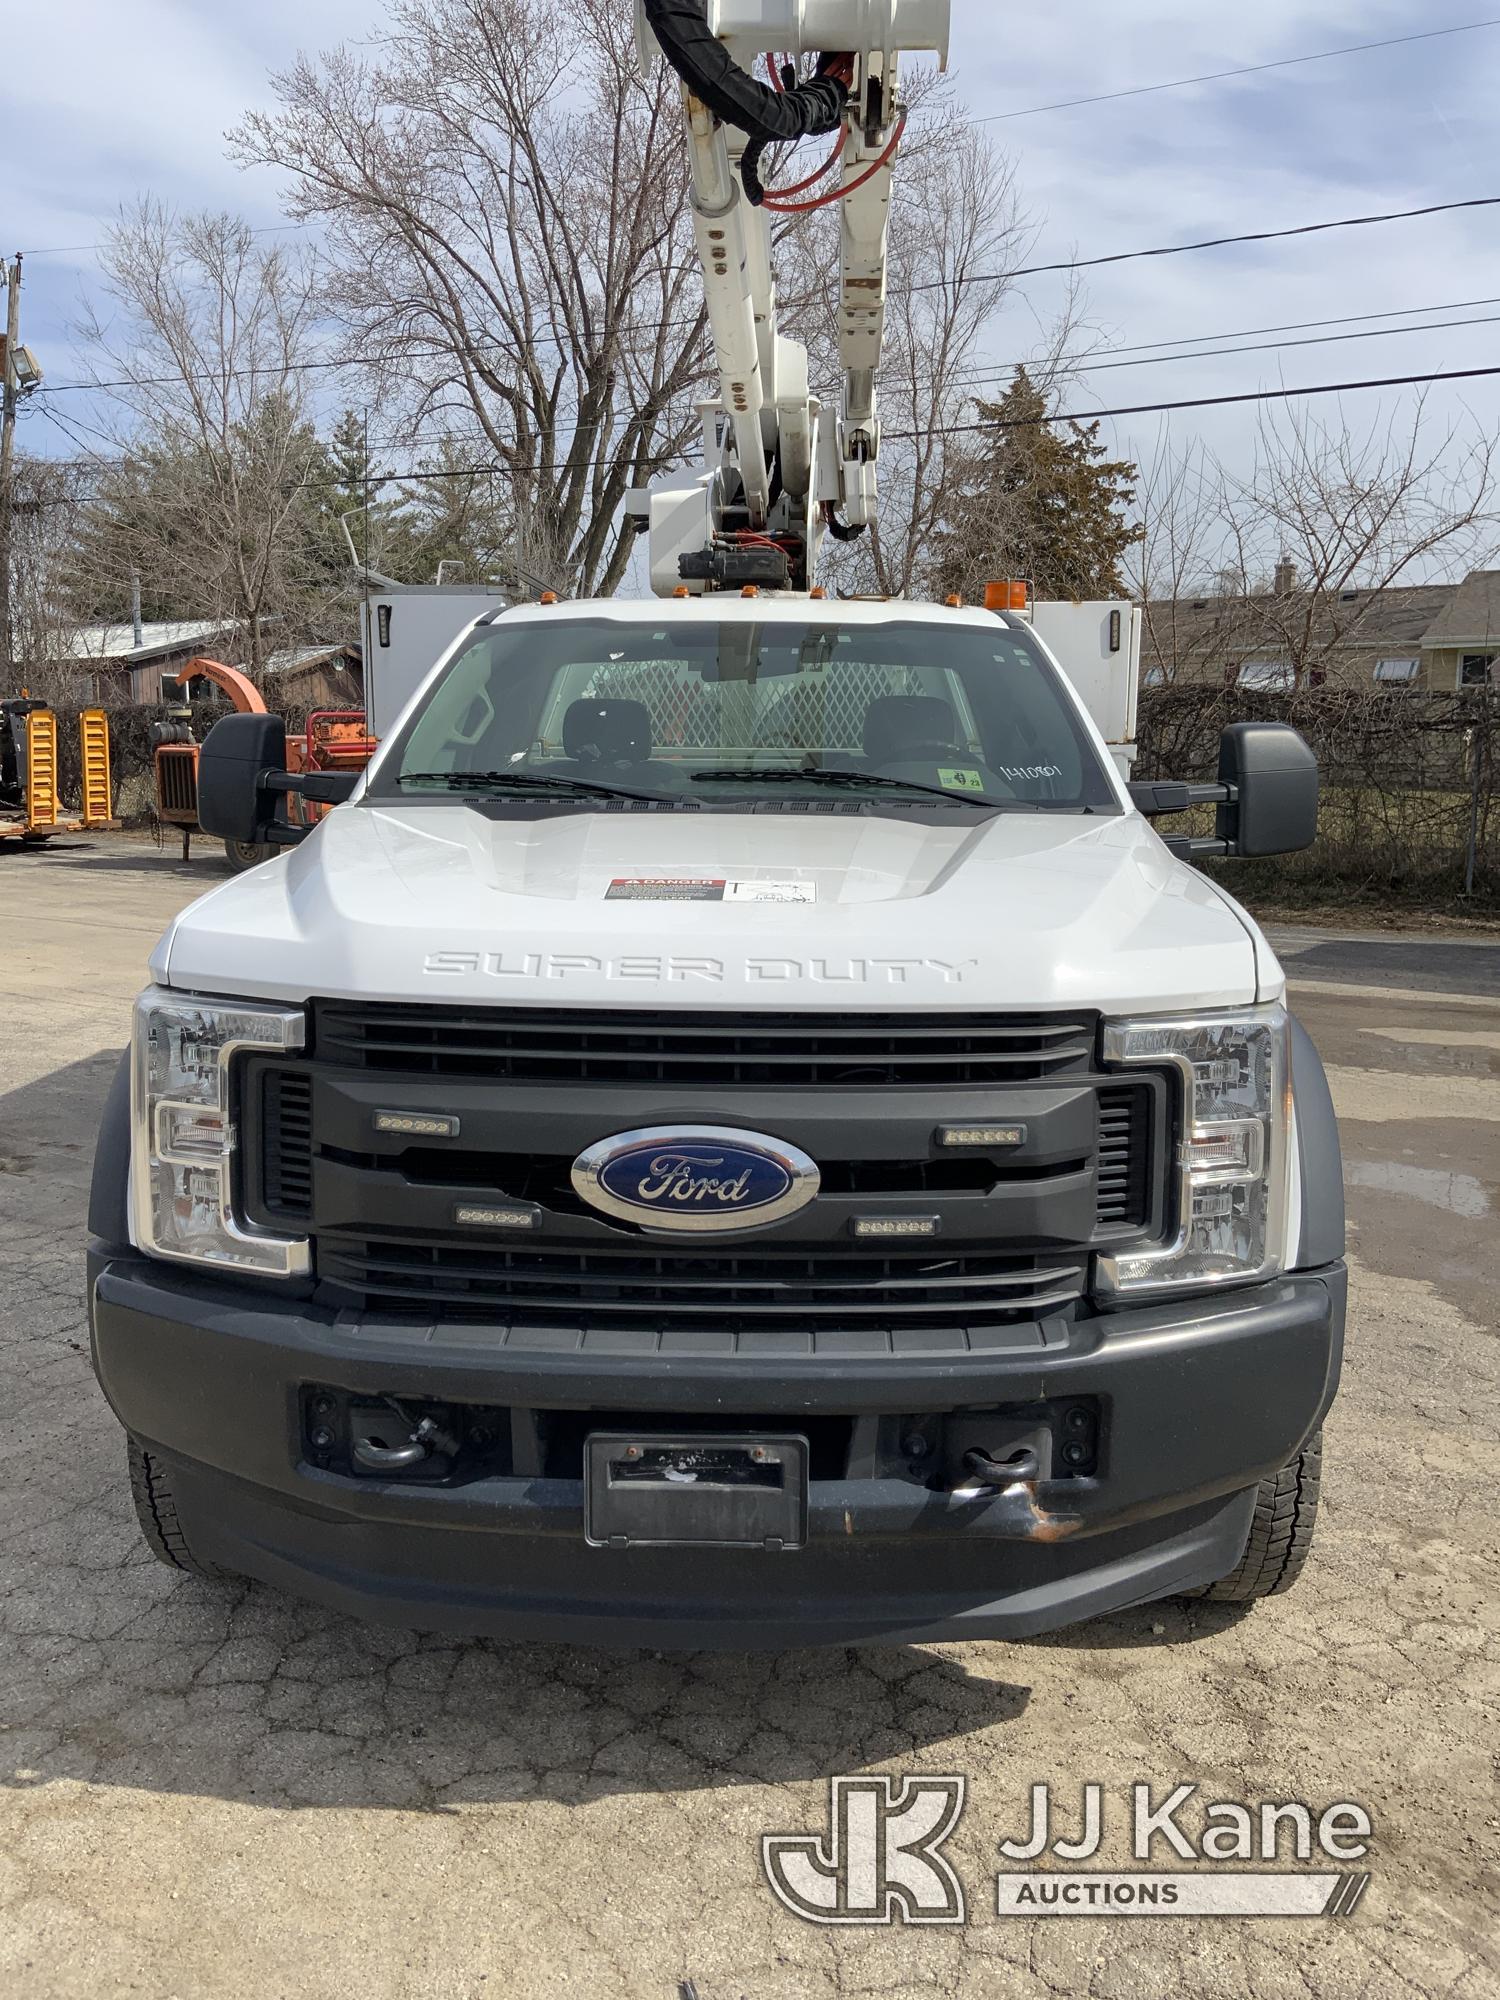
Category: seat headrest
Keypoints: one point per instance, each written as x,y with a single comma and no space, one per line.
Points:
608,732
894,723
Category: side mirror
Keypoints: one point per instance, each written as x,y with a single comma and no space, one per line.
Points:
1267,796
1273,778
242,775
237,756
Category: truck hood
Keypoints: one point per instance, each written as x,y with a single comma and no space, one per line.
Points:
441,903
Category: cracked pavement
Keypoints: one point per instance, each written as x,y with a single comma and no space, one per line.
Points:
216,1790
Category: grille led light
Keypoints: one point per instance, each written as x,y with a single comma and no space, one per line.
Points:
417,1125
982,1135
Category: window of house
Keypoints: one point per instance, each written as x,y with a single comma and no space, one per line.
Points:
170,689
1270,676
1400,671
1475,670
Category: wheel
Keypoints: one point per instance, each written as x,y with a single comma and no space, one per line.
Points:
243,854
1281,1533
156,1510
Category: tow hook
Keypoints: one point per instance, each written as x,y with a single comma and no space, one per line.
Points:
1022,1468
424,1440
390,1458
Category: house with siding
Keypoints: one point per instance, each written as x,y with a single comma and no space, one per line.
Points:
1433,637
106,664
1461,646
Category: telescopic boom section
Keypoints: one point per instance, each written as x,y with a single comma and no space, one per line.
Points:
779,471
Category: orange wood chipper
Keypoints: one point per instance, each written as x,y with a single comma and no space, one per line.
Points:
336,740
31,808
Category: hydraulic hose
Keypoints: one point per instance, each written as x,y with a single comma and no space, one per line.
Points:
710,72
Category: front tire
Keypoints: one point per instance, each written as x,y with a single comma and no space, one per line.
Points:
1281,1533
161,1525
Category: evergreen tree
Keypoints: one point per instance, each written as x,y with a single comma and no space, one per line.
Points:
344,487
454,516
1040,501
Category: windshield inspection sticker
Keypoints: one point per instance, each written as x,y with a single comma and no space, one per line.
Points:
695,889
961,781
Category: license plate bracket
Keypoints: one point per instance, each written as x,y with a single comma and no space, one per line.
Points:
702,1490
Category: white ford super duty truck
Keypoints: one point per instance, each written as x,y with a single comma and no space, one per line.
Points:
735,1129
739,1131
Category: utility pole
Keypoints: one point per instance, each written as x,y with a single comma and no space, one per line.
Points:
7,457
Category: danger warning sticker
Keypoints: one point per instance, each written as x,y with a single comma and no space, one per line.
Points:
705,889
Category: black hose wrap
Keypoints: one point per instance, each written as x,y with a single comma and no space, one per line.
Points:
711,73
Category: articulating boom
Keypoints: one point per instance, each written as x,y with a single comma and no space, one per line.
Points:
778,472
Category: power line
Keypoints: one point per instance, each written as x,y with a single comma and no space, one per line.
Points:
1197,403
998,370
994,277
1213,353
82,249
1213,243
394,475
1222,75
1305,325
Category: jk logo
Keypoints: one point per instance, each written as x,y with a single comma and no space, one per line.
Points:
882,1861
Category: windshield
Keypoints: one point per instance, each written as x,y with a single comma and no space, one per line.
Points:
697,710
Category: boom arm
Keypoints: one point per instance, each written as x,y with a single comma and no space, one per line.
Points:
778,470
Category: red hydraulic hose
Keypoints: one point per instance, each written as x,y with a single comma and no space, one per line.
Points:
837,195
775,195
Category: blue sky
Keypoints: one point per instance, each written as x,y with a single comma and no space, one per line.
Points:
100,103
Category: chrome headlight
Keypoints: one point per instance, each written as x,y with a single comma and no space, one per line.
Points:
1228,1187
182,1142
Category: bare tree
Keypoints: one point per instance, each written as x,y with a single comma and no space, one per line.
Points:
47,495
956,228
505,203
1295,557
1177,501
205,361
1326,512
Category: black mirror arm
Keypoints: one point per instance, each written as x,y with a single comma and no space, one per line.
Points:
327,788
1207,849
1155,800
324,788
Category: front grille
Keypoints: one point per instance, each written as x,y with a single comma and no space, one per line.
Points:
287,1143
1124,1156
669,1290
848,1051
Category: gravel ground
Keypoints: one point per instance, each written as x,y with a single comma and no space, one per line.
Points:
215,1790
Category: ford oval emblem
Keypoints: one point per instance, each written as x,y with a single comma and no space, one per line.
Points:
699,1179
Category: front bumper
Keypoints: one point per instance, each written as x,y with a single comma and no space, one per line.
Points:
1202,1399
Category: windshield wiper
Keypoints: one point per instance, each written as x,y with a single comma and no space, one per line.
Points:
860,780
527,781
